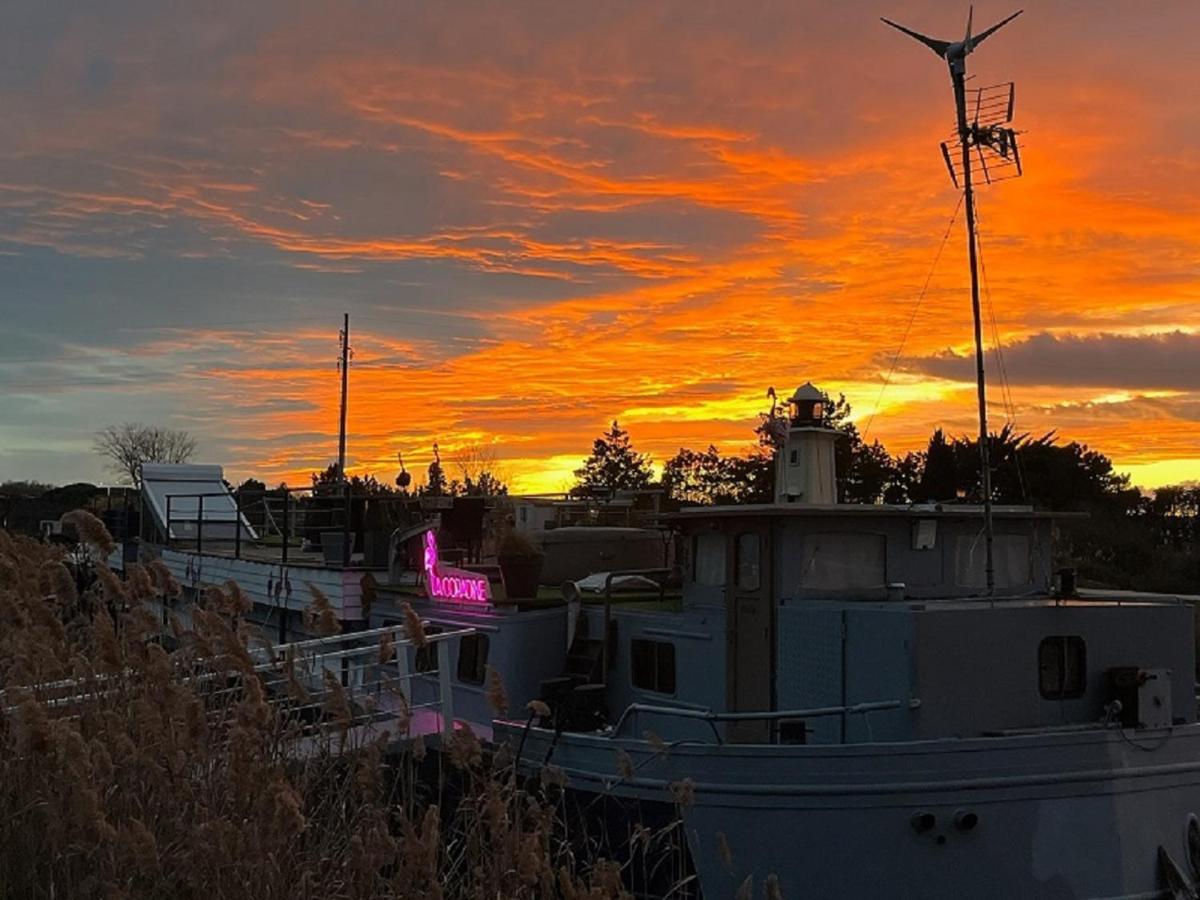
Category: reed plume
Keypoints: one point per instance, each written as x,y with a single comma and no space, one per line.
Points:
130,769
91,531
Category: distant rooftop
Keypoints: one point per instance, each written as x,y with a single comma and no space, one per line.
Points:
922,510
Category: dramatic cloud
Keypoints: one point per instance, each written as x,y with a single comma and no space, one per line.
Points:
543,217
1168,361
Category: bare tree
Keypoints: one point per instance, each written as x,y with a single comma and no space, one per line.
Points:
130,444
481,471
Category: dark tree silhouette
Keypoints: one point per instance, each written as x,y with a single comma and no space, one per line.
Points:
484,484
939,477
327,481
708,478
613,466
251,486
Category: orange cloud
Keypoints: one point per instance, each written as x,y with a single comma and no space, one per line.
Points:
542,224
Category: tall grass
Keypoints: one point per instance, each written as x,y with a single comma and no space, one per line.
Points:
127,771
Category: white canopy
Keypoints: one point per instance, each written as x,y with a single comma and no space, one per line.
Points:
184,483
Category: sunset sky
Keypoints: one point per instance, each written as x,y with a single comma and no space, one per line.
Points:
543,216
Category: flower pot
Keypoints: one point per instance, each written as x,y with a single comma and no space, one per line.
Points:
521,575
332,545
376,545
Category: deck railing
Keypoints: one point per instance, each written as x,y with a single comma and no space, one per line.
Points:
712,718
275,522
371,669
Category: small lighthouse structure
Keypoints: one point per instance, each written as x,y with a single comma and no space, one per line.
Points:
805,469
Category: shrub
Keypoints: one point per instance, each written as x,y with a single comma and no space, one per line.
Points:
517,545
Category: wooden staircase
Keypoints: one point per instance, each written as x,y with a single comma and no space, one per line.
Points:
577,697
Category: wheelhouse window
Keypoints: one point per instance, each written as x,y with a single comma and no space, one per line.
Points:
843,561
653,665
1011,558
746,561
472,658
1062,667
708,559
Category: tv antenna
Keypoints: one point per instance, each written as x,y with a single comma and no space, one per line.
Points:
985,135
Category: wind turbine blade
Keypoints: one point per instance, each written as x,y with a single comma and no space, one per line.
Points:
967,40
983,35
938,47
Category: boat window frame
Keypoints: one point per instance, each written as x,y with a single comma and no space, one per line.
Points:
720,543
476,658
1069,688
809,544
738,560
655,667
425,658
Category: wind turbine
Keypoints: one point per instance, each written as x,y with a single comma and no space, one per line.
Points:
970,135
955,52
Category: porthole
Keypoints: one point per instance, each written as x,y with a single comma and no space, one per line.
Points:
923,821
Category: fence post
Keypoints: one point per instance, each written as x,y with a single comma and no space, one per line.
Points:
445,687
401,648
285,533
237,526
199,524
167,536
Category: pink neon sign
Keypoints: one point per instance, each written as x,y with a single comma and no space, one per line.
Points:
452,584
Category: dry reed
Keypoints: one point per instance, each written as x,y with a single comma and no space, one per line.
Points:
128,772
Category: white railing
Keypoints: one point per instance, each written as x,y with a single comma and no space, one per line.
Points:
712,718
372,668
356,662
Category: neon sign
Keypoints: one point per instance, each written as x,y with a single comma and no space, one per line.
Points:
451,584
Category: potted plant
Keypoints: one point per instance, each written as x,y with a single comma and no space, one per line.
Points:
520,564
377,534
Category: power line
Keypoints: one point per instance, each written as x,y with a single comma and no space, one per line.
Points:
1010,411
912,318
1010,407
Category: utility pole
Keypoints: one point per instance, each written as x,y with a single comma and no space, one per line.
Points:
1002,142
344,365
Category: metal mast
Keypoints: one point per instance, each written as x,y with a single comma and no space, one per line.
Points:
343,364
971,135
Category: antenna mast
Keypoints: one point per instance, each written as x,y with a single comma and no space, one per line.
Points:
343,365
1001,142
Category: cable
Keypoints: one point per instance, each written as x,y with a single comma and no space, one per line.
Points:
1010,408
912,318
1005,385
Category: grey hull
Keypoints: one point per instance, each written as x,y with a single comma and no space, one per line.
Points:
1079,814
